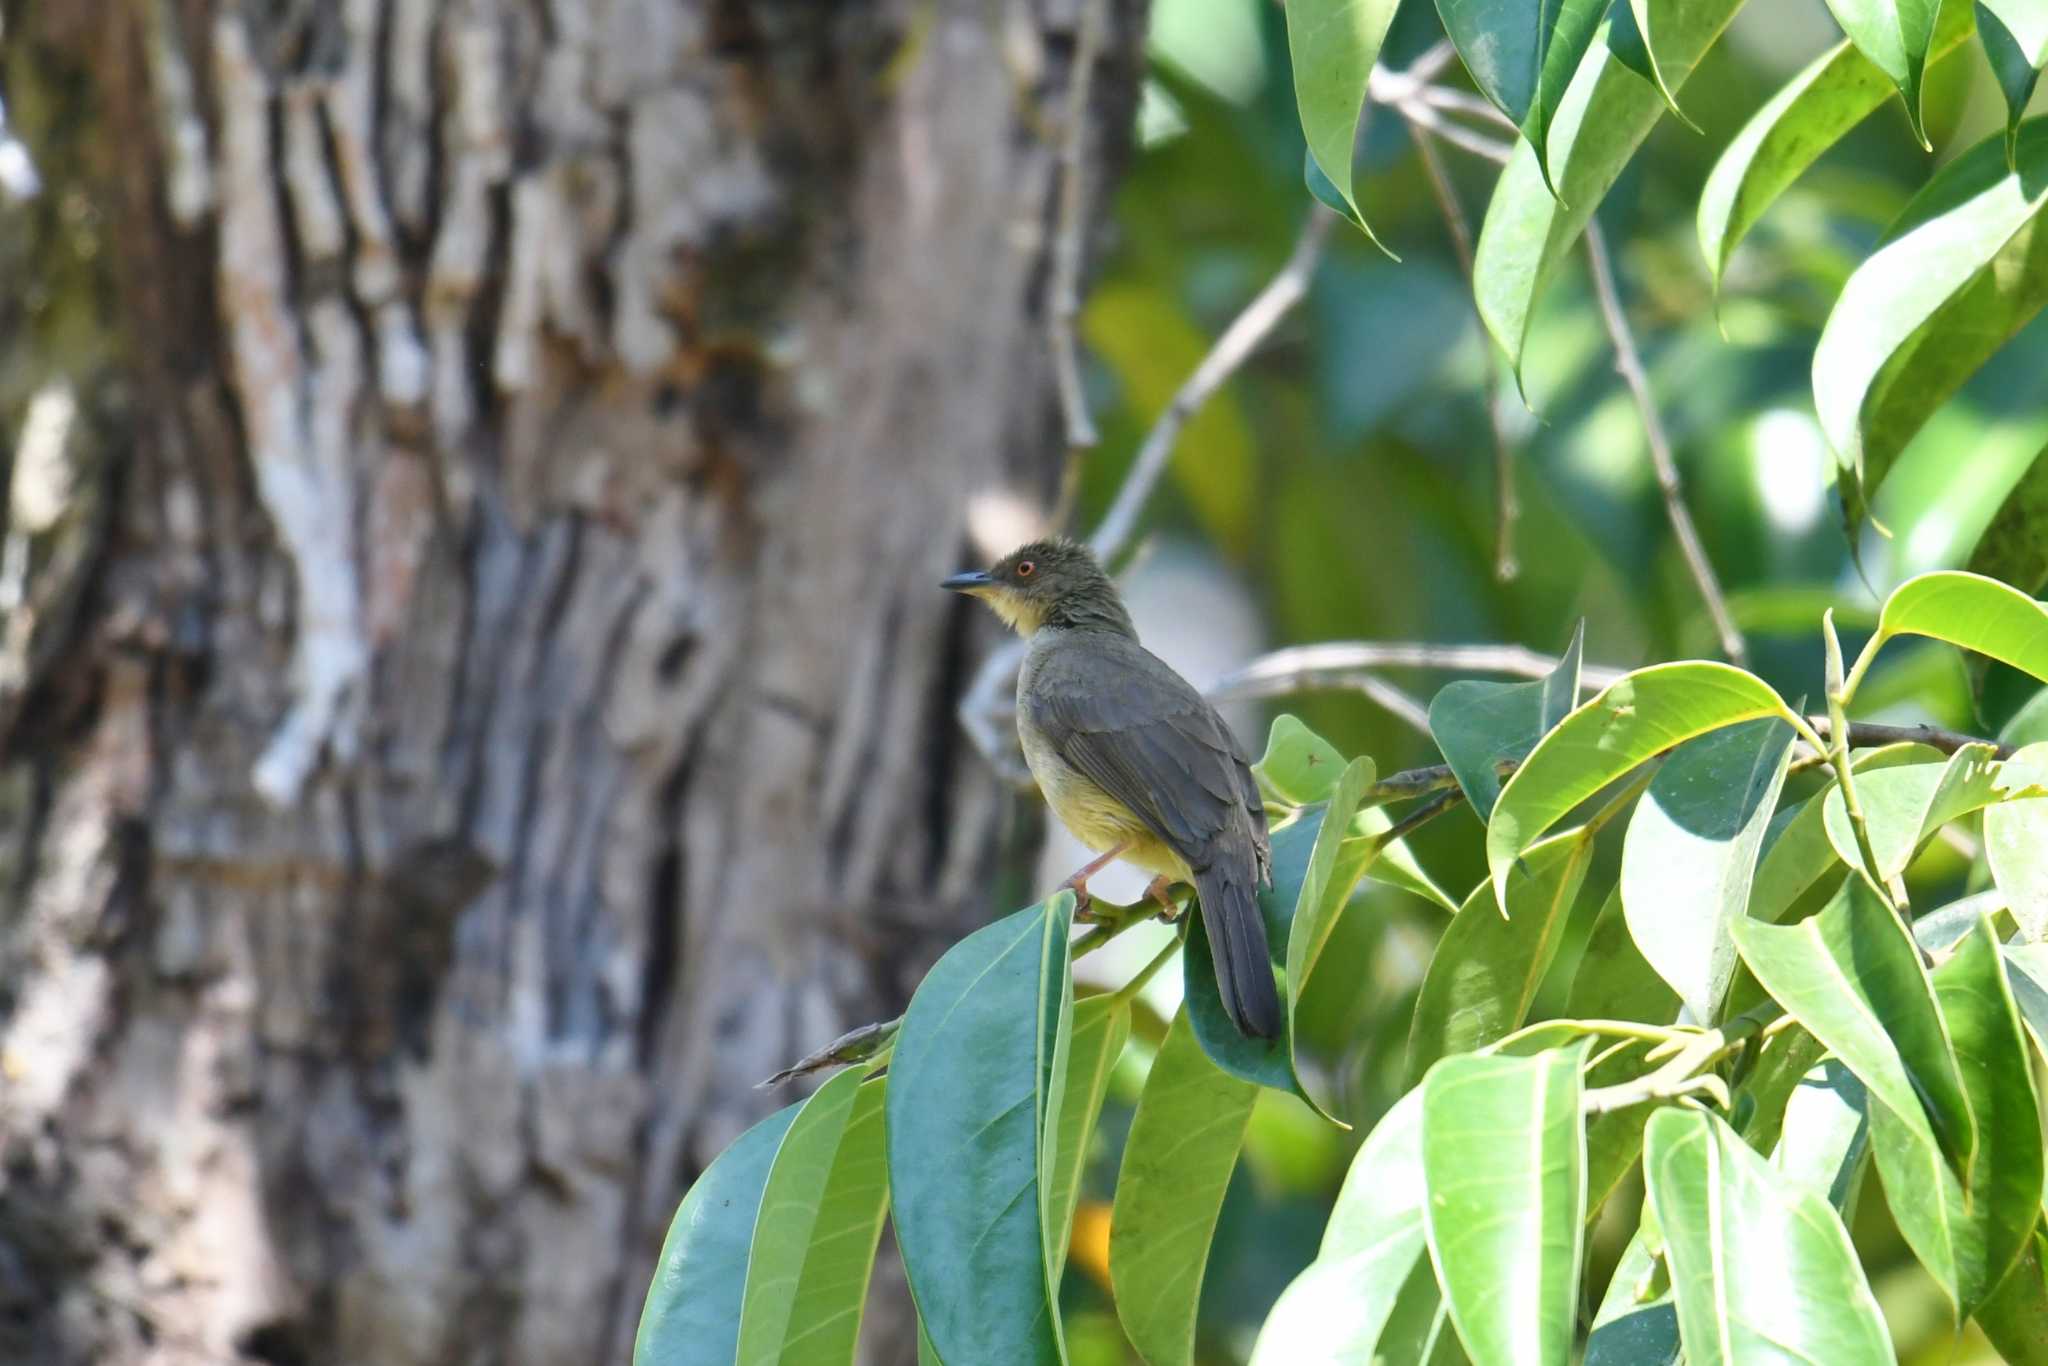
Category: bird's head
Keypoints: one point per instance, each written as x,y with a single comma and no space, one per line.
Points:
1048,583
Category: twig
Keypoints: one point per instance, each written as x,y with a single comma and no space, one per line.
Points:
1419,817
1628,363
1066,249
1506,508
1870,734
1681,1076
1478,144
1391,699
1336,663
1230,351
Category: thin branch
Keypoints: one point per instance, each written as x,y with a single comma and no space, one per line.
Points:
1419,817
1420,112
1628,363
1682,1075
1336,664
1230,351
1871,734
1506,508
1391,699
1067,243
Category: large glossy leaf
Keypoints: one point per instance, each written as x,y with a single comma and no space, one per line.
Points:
1182,1147
692,1313
1766,1087
1691,853
2016,847
1904,806
1102,1025
2027,975
1503,1156
1479,724
1635,719
1637,1322
1989,1219
1299,767
1523,55
2014,547
1974,612
814,1239
2015,38
1337,1309
975,1089
2015,1318
1825,1133
1852,976
1964,269
1333,45
1808,115
1483,977
1761,1268
1313,877
1897,36
1396,865
1604,116
1614,981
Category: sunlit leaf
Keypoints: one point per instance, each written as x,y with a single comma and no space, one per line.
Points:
1637,1322
692,1313
1337,1308
2015,38
1809,114
1802,853
1975,613
1825,1133
1761,1269
1183,1145
1691,852
821,1217
975,1091
1603,117
1333,45
1102,1025
1483,977
1905,805
2016,845
1964,269
1478,724
1638,717
1523,56
1396,865
1505,1220
1299,767
1896,35
1614,981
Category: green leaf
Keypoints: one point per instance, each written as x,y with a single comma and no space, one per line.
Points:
1300,767
1963,270
1339,1306
1825,1134
2015,1318
1522,56
1313,876
1904,806
1504,1162
1802,853
1637,1322
1396,865
1990,1218
2014,547
1852,976
1183,1145
692,1313
2015,38
1897,36
1102,1025
2016,847
1638,717
1761,1269
1483,976
1333,45
820,1219
1603,117
1691,853
1975,613
1811,113
1768,1088
1614,981
1478,725
1644,13
2026,973
975,1090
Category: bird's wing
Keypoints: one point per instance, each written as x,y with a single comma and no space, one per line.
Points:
1147,738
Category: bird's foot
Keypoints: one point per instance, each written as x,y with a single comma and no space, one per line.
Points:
1157,890
1084,904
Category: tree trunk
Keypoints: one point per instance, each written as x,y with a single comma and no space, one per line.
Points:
478,700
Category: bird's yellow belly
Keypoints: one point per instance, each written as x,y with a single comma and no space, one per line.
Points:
1099,820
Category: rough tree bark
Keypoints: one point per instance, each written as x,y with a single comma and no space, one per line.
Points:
482,703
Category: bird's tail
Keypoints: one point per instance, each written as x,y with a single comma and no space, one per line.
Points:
1237,941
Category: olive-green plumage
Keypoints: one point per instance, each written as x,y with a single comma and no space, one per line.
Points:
1132,758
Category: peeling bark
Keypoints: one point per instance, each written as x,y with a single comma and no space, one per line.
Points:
485,706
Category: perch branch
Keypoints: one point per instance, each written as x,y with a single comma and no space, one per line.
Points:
1336,663
1628,363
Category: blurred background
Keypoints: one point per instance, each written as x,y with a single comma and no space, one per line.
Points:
474,697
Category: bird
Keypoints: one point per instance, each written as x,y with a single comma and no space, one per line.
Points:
1134,761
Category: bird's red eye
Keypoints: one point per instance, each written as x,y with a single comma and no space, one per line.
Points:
1026,569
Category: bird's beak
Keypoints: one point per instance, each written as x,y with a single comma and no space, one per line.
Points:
969,582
